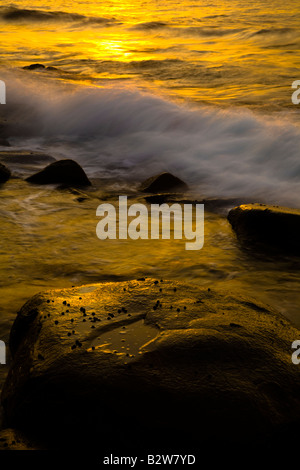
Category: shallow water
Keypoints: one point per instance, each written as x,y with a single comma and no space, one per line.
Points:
49,240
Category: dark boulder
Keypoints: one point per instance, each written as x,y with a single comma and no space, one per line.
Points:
144,362
66,172
50,68
164,182
4,173
34,67
267,227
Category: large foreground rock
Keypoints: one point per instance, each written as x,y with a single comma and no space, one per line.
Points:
270,227
150,361
66,172
164,182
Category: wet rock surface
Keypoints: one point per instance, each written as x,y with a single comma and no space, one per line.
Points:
267,227
163,183
151,360
66,172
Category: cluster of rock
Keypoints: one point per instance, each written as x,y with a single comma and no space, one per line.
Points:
70,173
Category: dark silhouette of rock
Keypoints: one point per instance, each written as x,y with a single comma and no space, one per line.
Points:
4,173
139,361
66,172
40,67
51,68
164,182
34,67
267,227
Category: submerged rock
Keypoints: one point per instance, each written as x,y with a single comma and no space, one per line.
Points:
163,183
151,361
4,173
66,172
267,227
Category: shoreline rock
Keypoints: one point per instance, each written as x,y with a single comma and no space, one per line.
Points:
66,172
267,227
165,182
202,365
5,173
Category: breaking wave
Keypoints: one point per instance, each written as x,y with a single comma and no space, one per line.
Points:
135,135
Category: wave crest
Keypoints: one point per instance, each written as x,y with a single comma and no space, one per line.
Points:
134,135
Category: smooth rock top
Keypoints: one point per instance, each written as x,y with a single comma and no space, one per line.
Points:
270,227
151,360
163,183
66,172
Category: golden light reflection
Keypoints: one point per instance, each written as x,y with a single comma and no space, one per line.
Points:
227,45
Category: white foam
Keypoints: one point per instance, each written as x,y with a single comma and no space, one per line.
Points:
135,135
